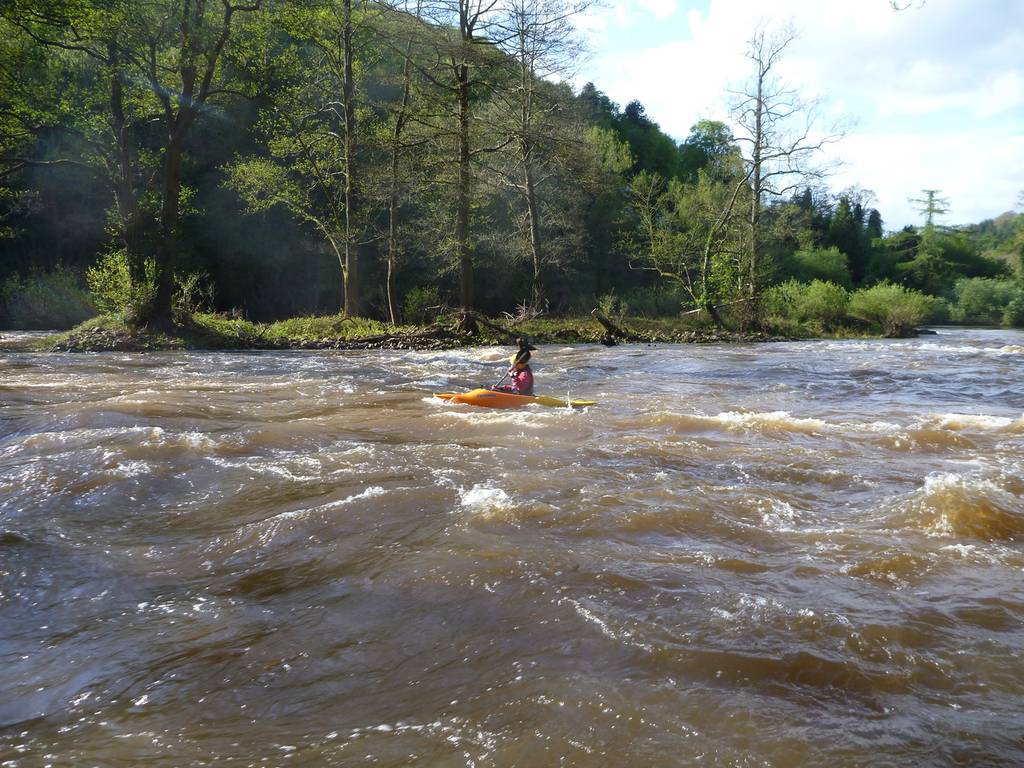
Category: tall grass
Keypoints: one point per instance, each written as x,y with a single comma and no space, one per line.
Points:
45,300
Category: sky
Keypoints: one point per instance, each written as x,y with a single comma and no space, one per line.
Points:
932,96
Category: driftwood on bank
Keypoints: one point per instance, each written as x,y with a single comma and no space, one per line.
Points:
470,321
612,331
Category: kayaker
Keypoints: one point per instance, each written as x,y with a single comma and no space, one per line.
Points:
522,376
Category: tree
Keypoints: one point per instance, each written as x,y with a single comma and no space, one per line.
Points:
778,130
317,159
846,234
930,206
401,115
710,143
159,61
540,37
873,229
465,51
689,235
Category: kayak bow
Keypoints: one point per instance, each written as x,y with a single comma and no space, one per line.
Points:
488,398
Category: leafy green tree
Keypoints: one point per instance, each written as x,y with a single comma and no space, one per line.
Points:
540,38
826,264
983,301
135,64
709,145
846,234
873,230
317,153
653,151
689,235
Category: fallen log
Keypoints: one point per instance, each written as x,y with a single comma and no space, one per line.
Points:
612,331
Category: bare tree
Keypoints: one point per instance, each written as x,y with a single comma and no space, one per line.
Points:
778,129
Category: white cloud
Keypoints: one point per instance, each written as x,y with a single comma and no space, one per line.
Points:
662,9
896,166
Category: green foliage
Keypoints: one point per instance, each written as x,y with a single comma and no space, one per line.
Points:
332,327
1013,314
825,264
422,304
54,299
983,301
194,293
818,302
940,310
612,305
111,286
892,308
660,300
710,146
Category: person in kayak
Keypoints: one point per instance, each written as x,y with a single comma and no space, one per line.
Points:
522,376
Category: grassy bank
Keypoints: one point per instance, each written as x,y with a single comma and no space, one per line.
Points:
218,332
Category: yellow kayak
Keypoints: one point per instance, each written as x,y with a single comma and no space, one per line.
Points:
488,398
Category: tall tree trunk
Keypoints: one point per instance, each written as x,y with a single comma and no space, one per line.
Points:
755,198
167,254
393,198
127,201
526,146
462,194
533,212
352,292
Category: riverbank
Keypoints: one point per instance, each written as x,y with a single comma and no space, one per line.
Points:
218,332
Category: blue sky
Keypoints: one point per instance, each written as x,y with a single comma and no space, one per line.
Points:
933,96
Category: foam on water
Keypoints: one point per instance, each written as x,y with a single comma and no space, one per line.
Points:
738,542
484,500
950,504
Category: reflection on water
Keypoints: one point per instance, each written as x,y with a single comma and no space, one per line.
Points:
745,555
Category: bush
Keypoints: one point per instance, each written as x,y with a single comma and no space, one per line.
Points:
422,305
890,307
1013,315
612,306
194,293
939,311
818,302
45,300
111,287
982,300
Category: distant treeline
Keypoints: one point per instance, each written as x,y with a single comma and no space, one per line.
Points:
291,158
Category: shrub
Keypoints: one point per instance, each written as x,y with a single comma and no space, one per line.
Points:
817,302
890,307
612,306
194,293
939,311
781,301
982,300
422,305
1013,315
111,287
45,300
824,302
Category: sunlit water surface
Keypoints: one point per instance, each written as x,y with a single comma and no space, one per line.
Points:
765,555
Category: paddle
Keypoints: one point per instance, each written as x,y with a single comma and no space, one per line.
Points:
503,377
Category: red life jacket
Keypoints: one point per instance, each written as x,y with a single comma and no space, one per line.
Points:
522,381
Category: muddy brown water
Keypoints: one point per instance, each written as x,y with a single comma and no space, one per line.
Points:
749,555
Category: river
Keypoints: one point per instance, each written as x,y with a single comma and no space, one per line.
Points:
746,555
